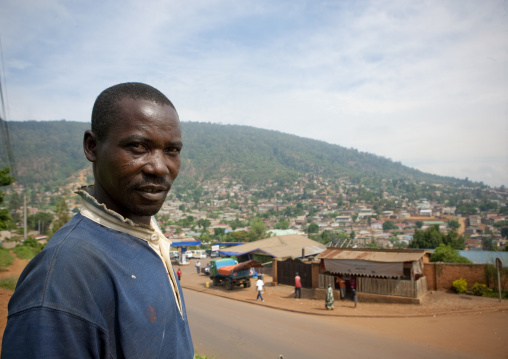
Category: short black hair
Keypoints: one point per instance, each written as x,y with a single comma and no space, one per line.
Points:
105,107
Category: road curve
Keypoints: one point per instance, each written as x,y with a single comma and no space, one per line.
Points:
223,328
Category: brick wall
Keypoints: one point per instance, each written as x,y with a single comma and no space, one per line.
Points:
441,275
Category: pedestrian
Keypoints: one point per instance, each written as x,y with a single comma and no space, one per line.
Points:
298,286
342,287
329,299
259,287
179,273
355,298
104,286
198,266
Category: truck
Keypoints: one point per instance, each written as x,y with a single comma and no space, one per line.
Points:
232,273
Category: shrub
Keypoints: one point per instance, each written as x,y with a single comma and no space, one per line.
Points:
29,249
481,290
460,285
8,283
6,258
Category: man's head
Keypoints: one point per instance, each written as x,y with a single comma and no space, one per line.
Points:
134,145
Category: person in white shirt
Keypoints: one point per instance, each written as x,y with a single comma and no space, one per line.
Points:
259,286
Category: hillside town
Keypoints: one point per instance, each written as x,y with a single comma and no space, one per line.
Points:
337,213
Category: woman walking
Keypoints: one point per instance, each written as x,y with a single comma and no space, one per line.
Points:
329,298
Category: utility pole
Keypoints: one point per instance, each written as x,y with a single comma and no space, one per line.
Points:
24,215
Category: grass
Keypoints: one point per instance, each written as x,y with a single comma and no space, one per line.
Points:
197,356
8,283
495,294
6,258
26,252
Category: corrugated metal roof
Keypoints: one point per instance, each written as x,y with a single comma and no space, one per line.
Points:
485,257
372,255
281,246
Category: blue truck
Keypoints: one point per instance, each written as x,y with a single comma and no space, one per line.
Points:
232,273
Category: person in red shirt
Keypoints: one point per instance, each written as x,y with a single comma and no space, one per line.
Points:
179,273
298,286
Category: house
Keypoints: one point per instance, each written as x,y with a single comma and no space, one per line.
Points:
265,250
374,262
376,272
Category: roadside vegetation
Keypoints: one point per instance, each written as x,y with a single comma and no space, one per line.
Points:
8,283
29,249
6,258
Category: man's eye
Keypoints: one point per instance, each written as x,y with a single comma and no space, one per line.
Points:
137,146
173,150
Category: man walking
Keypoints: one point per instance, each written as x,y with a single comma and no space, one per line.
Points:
198,266
104,287
298,286
259,287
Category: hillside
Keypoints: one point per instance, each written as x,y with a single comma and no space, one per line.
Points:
48,153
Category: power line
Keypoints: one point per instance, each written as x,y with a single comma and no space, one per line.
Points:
4,128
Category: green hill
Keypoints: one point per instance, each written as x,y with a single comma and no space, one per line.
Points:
47,153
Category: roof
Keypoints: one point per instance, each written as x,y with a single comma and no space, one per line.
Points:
387,256
485,257
187,242
279,247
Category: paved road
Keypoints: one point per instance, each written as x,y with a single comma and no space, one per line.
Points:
223,329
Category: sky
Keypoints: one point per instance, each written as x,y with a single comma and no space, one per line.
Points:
420,82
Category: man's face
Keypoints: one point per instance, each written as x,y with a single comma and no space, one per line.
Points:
137,162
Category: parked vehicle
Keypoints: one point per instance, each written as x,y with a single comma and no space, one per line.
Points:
230,272
206,270
201,254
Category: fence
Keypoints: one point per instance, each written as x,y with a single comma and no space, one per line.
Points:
286,271
400,288
396,287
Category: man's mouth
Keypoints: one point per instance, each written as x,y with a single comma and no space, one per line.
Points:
153,193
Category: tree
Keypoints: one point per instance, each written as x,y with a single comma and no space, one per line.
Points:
419,224
14,201
258,231
238,236
282,224
62,216
445,253
504,232
428,239
454,240
5,180
40,221
205,223
487,244
313,228
219,231
389,225
453,224
373,244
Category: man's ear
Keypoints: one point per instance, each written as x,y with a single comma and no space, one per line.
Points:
90,145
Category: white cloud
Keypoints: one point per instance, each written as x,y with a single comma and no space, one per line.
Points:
419,82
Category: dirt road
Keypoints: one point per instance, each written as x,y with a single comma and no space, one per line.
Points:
224,329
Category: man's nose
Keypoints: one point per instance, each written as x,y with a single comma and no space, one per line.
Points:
157,164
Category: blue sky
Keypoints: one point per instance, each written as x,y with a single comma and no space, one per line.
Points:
421,82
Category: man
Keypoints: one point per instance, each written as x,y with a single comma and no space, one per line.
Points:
103,287
259,287
298,286
342,287
198,266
